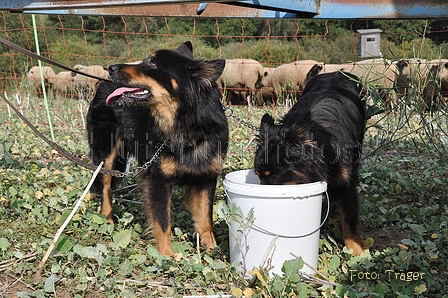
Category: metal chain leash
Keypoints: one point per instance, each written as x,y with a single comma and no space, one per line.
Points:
144,167
147,164
240,120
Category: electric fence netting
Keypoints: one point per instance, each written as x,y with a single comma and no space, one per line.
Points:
286,50
395,58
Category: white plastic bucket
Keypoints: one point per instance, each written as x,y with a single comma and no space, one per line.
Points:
293,212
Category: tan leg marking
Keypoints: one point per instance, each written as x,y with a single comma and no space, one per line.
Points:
163,240
106,205
351,240
198,203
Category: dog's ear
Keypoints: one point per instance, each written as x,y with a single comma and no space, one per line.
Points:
209,70
314,71
266,122
218,65
267,119
186,49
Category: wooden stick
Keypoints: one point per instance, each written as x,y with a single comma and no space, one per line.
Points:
311,277
64,225
198,247
8,263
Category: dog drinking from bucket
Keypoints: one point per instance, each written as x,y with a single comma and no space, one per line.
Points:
319,139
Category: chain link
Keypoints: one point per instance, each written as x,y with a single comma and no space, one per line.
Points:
147,164
144,167
240,120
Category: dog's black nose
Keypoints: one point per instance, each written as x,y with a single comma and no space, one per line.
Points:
113,68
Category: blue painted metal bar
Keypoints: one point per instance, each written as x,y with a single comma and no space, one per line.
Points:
320,9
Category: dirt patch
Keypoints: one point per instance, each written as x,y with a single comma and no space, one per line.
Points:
10,284
386,238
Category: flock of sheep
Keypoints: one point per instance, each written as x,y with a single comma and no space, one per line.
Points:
392,78
246,80
66,82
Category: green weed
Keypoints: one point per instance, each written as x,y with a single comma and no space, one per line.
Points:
403,191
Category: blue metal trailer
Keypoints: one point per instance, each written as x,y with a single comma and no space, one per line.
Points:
319,9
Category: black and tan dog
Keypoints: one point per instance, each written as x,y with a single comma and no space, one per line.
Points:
319,139
169,100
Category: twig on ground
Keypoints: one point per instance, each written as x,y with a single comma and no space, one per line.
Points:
269,252
8,263
198,247
313,278
19,280
158,284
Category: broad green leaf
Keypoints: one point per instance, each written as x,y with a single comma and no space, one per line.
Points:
50,284
125,267
55,268
341,290
88,252
221,210
64,245
419,229
106,229
19,254
122,238
380,288
126,218
418,290
102,273
291,269
178,247
152,252
408,242
102,248
335,262
4,244
12,191
138,259
99,218
278,285
239,235
64,216
365,175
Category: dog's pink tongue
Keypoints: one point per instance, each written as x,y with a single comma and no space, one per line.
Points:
119,92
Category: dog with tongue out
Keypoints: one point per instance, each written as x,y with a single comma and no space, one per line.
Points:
170,104
126,96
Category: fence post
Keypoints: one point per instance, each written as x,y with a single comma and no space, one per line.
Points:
42,78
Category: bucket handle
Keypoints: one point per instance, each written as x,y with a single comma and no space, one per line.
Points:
257,228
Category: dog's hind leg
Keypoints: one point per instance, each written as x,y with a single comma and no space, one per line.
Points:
108,182
200,204
349,210
106,203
